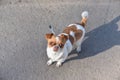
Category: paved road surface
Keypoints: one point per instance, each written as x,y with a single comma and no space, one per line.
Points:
23,25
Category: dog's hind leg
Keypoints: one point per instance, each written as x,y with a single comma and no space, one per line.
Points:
79,43
79,46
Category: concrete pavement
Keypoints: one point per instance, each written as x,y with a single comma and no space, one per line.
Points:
23,25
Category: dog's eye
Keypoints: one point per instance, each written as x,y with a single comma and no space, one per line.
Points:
61,45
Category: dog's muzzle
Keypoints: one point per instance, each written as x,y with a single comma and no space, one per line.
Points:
56,48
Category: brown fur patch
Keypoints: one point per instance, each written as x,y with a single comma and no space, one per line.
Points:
49,36
83,22
71,39
51,39
78,33
70,28
62,40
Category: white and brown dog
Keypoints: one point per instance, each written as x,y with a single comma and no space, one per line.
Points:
60,46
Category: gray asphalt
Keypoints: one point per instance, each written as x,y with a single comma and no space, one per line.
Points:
23,25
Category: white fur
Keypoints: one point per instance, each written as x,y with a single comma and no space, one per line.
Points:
84,14
79,42
73,35
71,25
62,54
59,56
63,34
57,38
78,26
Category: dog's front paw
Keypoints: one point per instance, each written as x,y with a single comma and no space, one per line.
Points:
49,62
59,64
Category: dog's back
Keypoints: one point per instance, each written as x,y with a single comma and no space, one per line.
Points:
77,31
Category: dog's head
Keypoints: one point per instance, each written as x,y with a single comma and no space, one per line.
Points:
56,43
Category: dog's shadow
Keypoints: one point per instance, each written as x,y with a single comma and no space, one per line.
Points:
98,40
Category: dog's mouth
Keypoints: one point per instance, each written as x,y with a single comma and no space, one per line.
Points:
55,48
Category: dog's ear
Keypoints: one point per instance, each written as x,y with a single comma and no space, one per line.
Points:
49,36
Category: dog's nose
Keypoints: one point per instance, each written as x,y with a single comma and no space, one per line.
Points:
56,48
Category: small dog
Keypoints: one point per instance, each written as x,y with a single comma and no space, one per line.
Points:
60,46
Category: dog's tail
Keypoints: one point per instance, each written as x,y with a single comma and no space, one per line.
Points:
84,18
